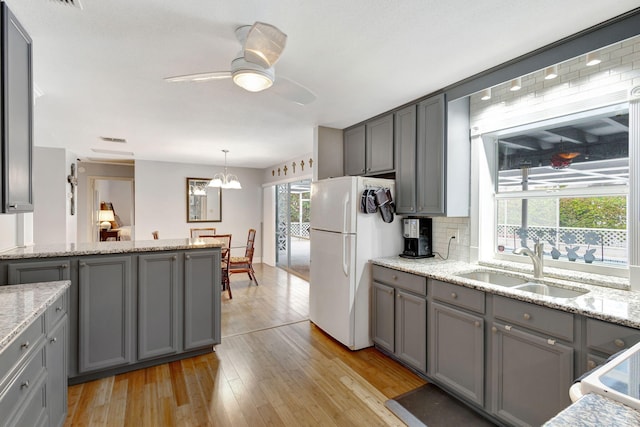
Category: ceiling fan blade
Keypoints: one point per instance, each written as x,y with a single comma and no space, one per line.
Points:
264,44
200,77
293,91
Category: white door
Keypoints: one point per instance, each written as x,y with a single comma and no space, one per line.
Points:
332,285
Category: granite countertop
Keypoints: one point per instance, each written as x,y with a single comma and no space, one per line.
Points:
20,304
593,410
608,298
109,247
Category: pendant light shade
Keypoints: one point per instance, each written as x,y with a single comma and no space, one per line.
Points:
225,180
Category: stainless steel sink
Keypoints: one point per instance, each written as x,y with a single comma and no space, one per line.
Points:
494,278
550,290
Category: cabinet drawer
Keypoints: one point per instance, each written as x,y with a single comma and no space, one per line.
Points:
20,347
546,320
57,310
460,296
400,279
610,338
26,379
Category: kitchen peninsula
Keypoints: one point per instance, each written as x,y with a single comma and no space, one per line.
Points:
132,304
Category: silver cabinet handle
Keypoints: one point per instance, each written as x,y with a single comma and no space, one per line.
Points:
591,364
25,384
174,257
526,316
187,257
63,266
494,329
477,323
619,343
53,340
83,264
394,277
390,291
454,295
58,308
25,345
13,206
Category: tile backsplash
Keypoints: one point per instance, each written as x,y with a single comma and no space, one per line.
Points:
459,249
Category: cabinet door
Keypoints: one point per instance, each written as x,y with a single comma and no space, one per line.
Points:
105,313
56,359
379,145
430,156
354,151
411,329
201,299
38,271
405,157
383,316
17,110
531,376
158,305
456,351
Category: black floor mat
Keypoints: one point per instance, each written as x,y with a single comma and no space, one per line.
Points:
430,406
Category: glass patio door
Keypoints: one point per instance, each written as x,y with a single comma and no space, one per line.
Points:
293,206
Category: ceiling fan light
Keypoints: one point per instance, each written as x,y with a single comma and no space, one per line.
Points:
253,81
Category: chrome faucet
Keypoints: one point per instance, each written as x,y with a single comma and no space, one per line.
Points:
537,258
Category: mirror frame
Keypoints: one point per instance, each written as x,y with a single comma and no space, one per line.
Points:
189,184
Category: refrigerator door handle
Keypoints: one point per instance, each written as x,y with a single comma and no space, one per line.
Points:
345,255
345,213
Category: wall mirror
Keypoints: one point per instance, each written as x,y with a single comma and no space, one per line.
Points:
204,203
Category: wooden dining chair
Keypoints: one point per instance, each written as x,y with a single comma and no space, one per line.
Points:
224,261
202,232
244,264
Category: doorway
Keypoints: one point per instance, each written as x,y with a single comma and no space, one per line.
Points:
118,192
293,207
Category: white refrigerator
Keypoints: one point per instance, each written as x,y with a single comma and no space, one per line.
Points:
343,239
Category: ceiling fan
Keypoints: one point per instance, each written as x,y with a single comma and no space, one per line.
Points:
252,69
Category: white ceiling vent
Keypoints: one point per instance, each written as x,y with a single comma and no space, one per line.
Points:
74,3
112,139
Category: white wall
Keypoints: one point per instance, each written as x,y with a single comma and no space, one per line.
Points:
50,188
276,173
120,193
328,148
161,202
269,218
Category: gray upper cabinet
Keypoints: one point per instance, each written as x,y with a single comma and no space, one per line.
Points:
159,290
379,152
430,157
354,151
405,146
105,312
368,148
17,116
433,158
201,297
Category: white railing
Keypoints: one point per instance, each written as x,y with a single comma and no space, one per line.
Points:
299,229
604,244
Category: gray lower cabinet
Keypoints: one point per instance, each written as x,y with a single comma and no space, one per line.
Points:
57,362
530,377
399,318
604,339
383,316
201,297
411,329
158,305
38,271
456,351
105,327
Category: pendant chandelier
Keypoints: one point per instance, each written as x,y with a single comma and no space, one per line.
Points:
225,180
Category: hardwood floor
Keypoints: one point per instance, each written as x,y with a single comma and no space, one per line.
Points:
273,368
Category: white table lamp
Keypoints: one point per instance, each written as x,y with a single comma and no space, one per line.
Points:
105,217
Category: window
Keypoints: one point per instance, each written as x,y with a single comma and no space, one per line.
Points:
564,182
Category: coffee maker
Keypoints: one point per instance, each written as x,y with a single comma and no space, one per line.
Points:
417,238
